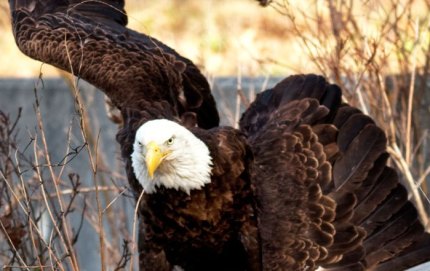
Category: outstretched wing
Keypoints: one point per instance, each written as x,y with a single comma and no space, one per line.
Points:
90,40
326,196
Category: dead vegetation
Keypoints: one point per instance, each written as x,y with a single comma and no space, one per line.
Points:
43,208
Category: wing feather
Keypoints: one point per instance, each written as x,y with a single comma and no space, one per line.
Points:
90,40
355,212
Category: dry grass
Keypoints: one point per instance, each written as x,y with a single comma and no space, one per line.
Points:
40,201
379,53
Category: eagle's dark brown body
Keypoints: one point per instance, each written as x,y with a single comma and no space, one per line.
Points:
304,183
210,228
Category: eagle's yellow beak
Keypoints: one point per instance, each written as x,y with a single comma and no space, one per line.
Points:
154,157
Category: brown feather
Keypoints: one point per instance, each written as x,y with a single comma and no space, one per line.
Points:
89,39
209,228
372,222
351,168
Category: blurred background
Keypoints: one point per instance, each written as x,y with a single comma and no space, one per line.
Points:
223,36
377,51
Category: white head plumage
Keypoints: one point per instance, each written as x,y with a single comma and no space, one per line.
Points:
167,154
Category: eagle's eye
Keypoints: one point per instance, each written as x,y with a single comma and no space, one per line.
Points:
170,141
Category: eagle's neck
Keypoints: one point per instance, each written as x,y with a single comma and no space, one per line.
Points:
187,171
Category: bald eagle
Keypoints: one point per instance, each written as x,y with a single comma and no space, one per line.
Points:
302,184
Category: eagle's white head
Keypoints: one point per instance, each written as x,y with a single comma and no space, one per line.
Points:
167,154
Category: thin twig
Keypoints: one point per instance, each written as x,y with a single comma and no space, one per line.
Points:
409,146
136,210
